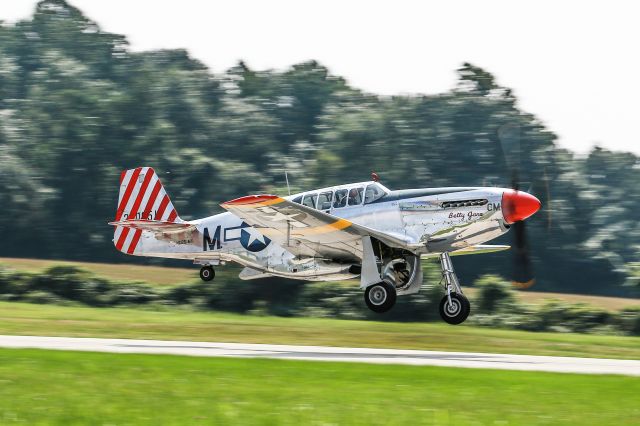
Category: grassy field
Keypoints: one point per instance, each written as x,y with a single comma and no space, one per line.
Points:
176,324
172,276
152,274
52,387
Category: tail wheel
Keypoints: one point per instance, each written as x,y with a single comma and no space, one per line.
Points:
207,273
380,297
457,311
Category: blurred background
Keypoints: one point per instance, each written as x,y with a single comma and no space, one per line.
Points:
77,106
221,98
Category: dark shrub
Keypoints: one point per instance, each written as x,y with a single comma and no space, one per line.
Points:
15,283
628,320
582,318
41,297
133,294
494,295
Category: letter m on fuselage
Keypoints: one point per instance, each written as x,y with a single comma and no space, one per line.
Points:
209,243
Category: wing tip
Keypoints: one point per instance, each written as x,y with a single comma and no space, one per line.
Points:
251,200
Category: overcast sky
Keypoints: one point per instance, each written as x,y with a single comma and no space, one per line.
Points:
573,64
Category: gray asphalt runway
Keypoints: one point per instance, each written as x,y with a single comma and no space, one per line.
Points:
325,353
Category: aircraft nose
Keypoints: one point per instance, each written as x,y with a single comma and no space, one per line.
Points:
518,205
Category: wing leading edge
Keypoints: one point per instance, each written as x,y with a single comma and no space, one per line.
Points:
476,249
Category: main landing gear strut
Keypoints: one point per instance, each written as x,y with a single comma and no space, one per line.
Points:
381,296
207,273
454,306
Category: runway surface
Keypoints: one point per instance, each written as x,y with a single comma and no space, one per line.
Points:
326,353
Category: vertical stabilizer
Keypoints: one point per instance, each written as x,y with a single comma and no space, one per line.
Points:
142,196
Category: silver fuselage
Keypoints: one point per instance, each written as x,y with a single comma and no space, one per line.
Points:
430,220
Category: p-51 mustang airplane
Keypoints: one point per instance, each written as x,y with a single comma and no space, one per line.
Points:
341,232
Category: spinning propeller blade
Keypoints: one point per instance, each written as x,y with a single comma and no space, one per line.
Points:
523,276
518,206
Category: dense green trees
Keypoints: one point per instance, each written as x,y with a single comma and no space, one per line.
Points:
76,107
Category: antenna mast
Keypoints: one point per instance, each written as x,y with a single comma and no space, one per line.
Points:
287,179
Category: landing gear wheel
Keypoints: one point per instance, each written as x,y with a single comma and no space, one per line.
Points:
380,297
207,273
457,311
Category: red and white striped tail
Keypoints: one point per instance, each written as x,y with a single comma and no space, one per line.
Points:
142,196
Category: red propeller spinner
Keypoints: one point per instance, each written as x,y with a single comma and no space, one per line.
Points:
518,205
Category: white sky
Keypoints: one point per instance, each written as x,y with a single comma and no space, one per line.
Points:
573,64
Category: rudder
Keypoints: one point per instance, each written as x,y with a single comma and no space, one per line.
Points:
142,196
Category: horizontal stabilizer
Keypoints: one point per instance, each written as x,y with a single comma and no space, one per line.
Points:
153,225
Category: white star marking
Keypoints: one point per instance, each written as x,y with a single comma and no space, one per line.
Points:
255,237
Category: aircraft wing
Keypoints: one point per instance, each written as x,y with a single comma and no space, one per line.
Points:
305,231
477,249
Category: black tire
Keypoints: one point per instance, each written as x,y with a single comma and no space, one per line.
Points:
380,297
459,310
207,273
